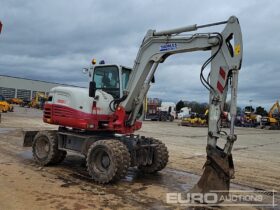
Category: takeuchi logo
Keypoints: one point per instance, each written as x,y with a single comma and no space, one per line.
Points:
169,46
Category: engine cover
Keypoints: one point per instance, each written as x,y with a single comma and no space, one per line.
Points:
72,107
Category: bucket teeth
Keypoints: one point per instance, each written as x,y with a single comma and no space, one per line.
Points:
218,170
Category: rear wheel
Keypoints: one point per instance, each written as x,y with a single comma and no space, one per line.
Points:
107,160
163,118
45,148
160,158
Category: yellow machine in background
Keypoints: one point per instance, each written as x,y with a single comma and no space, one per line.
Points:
196,120
272,121
250,116
4,105
38,101
250,119
16,101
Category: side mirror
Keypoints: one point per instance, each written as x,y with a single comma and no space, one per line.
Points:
92,89
85,70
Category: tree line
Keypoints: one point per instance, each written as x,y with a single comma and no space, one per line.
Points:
200,108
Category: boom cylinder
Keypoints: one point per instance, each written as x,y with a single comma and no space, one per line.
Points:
176,30
188,28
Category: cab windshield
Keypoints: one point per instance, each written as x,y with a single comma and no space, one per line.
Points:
106,78
125,77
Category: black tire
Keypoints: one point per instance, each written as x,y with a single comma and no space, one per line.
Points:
126,160
107,161
45,149
160,158
163,118
274,127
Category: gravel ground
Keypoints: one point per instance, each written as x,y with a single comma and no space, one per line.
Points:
24,185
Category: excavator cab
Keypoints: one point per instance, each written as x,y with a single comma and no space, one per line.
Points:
112,79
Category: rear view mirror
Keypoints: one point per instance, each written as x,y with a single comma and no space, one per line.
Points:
0,27
92,89
85,70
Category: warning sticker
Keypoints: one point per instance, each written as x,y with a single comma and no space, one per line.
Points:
237,49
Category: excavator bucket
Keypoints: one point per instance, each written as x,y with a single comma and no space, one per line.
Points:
218,170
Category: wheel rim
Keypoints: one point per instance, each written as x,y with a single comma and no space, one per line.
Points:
42,147
100,160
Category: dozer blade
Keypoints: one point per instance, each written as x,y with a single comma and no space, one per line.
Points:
28,137
218,170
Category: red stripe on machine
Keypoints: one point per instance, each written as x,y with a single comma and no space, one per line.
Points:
222,73
220,87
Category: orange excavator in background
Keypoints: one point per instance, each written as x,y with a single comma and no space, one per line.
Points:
272,120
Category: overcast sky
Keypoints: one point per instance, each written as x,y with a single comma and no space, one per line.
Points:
53,40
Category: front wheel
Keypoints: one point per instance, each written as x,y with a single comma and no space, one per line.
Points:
45,148
107,160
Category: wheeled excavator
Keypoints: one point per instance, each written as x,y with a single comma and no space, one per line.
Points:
99,122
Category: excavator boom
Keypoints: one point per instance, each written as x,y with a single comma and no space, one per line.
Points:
225,59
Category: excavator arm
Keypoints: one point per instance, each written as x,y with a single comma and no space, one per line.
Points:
225,59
